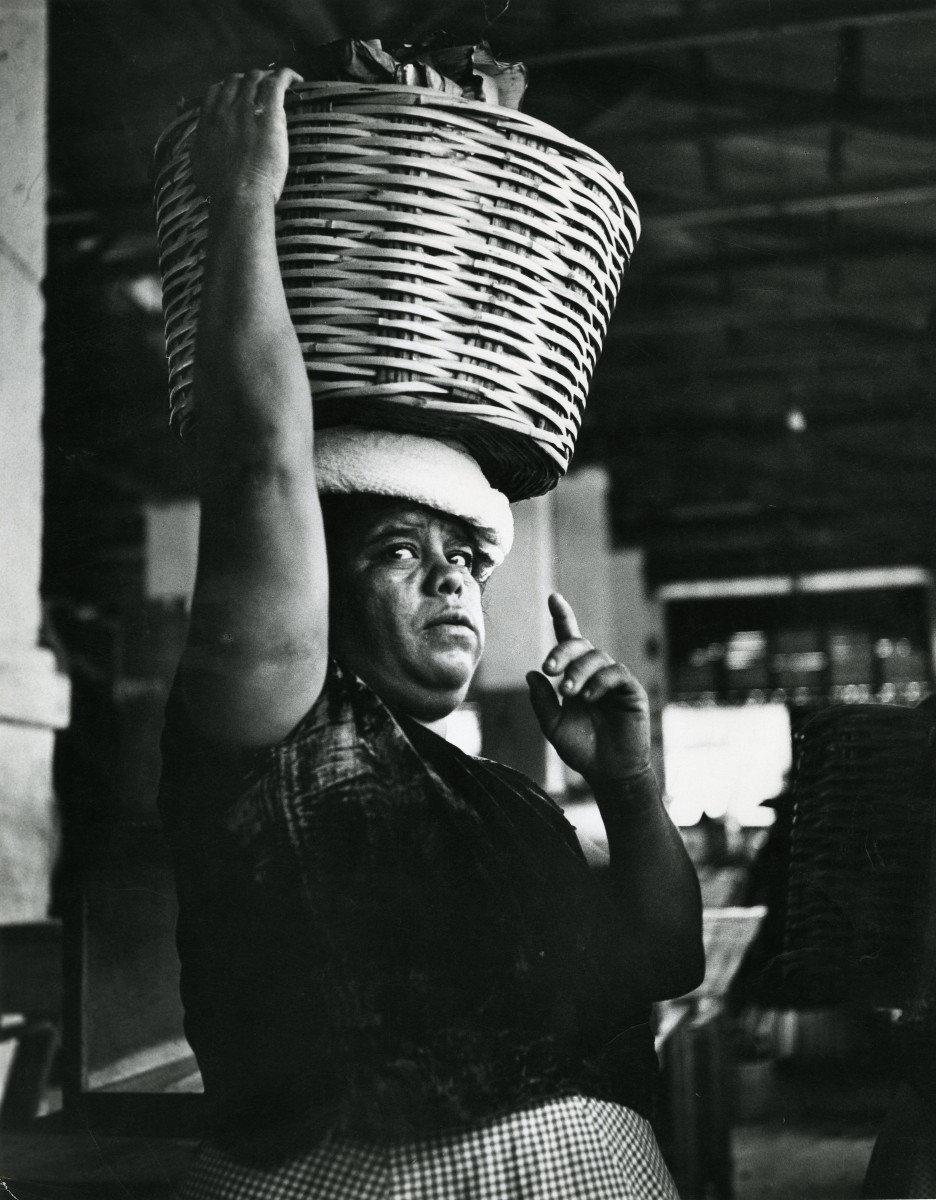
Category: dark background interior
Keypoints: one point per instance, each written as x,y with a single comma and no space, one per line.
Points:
765,399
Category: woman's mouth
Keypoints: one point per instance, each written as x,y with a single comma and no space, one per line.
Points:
452,621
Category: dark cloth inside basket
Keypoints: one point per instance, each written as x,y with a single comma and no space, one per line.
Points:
471,72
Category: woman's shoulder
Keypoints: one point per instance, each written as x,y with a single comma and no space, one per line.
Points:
348,747
194,763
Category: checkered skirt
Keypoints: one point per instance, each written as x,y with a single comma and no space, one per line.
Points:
574,1147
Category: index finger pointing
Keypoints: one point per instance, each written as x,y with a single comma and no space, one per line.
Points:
564,622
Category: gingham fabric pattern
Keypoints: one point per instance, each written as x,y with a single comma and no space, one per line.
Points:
575,1148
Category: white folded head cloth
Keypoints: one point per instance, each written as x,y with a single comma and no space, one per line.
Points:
430,471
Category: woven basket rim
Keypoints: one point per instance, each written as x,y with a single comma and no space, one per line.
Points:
438,99
861,711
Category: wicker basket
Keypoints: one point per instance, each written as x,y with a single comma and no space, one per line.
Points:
858,894
450,266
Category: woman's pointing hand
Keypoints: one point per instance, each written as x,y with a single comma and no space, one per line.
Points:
599,718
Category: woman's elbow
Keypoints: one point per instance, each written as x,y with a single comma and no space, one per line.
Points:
678,970
691,970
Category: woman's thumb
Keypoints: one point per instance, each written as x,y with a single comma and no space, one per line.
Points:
545,702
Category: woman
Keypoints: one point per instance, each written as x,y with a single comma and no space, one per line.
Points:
400,977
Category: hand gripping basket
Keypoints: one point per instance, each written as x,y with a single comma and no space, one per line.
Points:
450,266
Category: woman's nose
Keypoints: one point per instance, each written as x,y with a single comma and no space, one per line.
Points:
445,577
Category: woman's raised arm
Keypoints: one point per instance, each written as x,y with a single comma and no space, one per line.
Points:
257,650
600,725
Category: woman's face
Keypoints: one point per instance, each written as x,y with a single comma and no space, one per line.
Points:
406,604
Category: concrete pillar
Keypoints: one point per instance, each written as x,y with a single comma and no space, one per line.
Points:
582,549
519,635
563,543
33,696
638,638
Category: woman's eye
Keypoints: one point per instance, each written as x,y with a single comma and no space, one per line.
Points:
401,553
462,558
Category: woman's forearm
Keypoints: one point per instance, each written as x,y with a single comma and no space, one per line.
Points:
257,649
251,389
253,409
655,885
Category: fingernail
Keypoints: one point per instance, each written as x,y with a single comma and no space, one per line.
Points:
567,685
550,664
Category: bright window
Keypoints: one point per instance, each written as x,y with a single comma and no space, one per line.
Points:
724,760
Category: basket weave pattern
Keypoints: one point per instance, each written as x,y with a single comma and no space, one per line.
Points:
857,895
450,268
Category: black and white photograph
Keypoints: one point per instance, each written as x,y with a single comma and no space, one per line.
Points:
467,599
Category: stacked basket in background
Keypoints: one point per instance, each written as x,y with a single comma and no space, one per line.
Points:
450,266
859,890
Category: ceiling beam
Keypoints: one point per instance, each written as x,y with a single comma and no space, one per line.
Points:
774,20
812,364
896,291
767,104
876,116
633,321
887,195
846,539
659,427
793,248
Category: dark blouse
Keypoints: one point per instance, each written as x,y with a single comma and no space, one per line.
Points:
384,936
